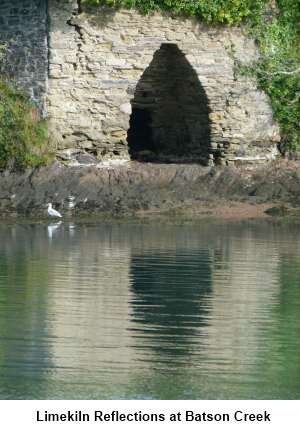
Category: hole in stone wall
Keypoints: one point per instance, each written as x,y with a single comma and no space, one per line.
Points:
140,132
170,112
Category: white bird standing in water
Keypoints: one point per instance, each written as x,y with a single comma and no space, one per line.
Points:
52,212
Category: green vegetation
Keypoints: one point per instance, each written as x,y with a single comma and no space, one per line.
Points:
214,11
276,27
22,134
278,69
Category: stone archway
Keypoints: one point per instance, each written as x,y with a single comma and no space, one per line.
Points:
170,112
171,119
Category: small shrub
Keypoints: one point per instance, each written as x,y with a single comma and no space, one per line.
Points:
278,69
22,134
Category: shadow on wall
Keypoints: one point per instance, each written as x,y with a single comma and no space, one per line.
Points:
100,16
170,112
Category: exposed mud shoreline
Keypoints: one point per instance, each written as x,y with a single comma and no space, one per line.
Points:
145,189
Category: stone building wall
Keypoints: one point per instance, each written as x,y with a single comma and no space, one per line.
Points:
109,74
120,85
23,29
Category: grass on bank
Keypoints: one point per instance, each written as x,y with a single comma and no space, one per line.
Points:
275,24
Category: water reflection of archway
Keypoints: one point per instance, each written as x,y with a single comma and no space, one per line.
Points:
170,111
168,311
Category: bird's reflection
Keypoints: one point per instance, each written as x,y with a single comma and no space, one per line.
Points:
52,228
71,229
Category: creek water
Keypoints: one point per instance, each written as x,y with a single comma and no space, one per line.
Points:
207,310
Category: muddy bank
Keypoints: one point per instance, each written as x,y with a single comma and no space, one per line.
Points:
145,189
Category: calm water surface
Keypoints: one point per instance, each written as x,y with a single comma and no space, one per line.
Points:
163,311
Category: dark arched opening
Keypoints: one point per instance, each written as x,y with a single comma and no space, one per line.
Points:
170,112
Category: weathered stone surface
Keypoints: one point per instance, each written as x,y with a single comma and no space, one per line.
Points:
119,83
118,70
129,188
23,28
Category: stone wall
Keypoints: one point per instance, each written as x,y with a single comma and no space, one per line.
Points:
121,85
107,65
23,29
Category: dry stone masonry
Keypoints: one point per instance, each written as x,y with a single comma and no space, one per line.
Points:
122,85
23,30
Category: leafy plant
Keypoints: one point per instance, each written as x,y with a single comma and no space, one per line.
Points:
212,11
22,134
278,69
2,53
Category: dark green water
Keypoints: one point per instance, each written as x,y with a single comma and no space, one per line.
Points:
163,311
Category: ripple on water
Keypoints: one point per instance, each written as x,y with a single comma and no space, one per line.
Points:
150,311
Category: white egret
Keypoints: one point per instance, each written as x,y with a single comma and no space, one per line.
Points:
52,212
